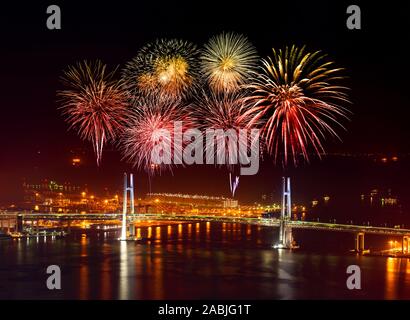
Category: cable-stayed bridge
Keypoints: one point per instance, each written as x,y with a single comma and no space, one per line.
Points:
17,220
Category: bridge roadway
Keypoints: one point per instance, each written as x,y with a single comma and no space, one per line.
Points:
320,226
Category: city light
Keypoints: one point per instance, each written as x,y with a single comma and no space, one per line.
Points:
76,161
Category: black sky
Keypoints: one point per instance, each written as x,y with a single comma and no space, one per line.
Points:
34,138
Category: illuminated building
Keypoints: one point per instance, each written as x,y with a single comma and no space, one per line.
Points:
380,198
230,203
50,196
179,198
76,162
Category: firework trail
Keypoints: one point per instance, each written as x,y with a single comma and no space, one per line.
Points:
164,67
233,184
224,112
227,61
297,98
94,104
152,115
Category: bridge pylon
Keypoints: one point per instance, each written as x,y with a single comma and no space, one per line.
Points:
359,243
127,188
285,231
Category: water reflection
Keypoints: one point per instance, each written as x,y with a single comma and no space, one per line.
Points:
20,252
158,273
106,291
179,231
189,231
84,272
397,277
259,240
235,262
137,266
123,277
158,233
197,232
249,230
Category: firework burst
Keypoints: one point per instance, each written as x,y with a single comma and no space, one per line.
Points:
144,131
227,61
94,104
225,113
297,97
164,67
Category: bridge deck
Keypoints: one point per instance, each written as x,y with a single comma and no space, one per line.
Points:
246,220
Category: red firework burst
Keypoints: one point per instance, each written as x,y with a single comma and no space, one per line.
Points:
297,99
225,113
94,104
152,119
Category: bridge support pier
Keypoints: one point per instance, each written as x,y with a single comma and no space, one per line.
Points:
285,237
405,244
359,242
19,223
3,225
285,232
130,188
36,226
131,230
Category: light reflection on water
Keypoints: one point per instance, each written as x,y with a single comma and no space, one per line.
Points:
195,261
84,270
123,278
158,233
106,280
397,277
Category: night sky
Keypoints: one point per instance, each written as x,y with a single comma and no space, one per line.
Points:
34,139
